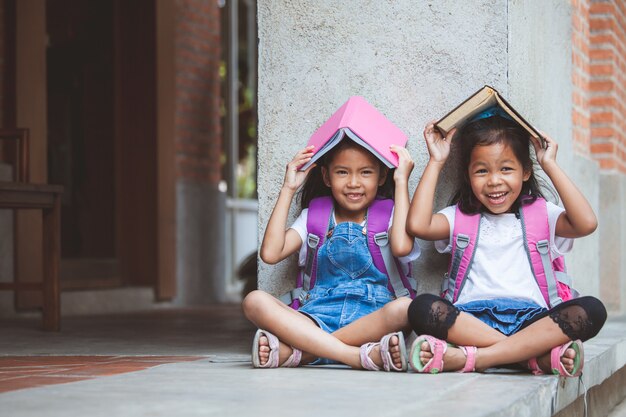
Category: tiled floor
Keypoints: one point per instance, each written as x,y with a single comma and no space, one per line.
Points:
19,372
93,347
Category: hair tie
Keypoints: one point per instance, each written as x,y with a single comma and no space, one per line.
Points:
491,112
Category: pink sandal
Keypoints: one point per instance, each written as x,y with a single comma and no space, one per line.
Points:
385,355
272,362
555,360
438,348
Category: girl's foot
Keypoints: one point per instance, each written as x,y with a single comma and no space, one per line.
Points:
264,351
567,360
454,358
284,352
268,352
394,350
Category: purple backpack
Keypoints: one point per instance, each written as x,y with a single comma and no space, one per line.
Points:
378,215
554,283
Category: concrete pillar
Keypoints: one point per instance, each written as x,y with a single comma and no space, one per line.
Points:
412,60
612,232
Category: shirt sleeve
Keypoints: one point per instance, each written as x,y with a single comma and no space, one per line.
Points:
445,245
299,225
560,245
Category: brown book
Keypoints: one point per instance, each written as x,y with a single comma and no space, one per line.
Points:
478,102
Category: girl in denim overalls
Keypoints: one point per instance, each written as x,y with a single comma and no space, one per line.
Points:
350,298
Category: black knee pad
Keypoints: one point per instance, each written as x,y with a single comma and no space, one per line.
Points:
431,314
580,318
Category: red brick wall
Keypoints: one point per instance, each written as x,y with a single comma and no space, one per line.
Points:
580,77
607,86
198,130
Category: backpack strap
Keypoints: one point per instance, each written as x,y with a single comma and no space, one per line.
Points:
378,216
464,238
320,210
536,231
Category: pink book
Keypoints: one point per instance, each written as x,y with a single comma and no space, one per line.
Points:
361,122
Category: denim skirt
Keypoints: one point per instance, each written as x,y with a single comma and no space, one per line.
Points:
507,315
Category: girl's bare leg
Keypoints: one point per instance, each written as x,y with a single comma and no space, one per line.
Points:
534,341
294,329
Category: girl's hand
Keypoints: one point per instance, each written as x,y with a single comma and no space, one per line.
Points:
547,155
405,163
293,177
438,145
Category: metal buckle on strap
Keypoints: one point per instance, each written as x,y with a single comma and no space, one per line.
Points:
542,247
445,282
313,240
381,239
462,241
402,292
303,296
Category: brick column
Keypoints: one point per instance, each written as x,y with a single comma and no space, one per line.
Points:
607,22
198,131
200,207
581,118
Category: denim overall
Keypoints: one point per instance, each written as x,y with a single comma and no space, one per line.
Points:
348,284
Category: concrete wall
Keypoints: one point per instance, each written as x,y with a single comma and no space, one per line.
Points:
612,233
413,61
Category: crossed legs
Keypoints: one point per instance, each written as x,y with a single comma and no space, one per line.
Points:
297,330
576,319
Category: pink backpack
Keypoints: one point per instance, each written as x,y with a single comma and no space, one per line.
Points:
378,215
554,283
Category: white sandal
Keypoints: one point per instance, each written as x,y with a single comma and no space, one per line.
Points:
272,362
388,365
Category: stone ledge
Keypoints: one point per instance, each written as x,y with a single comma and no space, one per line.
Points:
603,375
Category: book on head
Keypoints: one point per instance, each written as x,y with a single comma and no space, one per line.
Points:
361,122
485,98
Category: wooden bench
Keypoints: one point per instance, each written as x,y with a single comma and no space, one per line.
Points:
47,198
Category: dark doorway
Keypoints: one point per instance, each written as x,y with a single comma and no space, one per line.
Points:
102,139
81,149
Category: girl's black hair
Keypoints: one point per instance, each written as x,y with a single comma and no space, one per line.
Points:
314,185
485,132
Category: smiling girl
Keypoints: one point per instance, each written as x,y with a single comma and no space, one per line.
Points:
350,304
495,306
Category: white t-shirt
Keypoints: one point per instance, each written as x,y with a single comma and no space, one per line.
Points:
299,225
501,268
